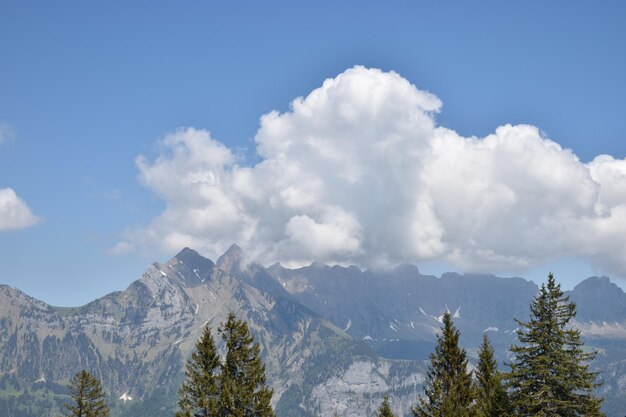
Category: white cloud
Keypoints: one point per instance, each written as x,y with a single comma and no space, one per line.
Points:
6,132
121,248
14,213
359,172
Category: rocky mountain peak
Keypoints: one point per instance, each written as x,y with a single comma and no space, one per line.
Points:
189,266
276,268
318,265
192,260
599,299
231,260
186,253
597,284
407,269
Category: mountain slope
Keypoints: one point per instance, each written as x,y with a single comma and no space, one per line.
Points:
405,307
135,341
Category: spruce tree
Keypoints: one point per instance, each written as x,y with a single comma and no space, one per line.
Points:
550,373
87,397
199,393
491,396
243,384
385,409
448,388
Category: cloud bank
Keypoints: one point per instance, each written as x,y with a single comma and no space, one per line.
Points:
14,213
359,172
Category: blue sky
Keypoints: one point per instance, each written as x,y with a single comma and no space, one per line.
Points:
85,88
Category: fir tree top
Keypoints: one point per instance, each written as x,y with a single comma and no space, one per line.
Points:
243,383
448,388
550,373
491,396
87,397
199,393
385,409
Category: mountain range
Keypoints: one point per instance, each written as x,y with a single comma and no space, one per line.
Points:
334,339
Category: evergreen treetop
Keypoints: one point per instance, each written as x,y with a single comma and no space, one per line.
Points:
235,387
385,409
243,384
199,393
491,396
448,388
87,397
550,374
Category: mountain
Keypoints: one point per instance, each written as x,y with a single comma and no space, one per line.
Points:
135,341
599,300
397,312
334,339
400,306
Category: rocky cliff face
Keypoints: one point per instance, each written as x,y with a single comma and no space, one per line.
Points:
403,305
334,339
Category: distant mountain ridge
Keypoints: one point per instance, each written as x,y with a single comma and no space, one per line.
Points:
335,339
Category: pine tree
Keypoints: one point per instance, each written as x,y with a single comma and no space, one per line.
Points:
491,396
87,397
199,392
448,388
242,382
550,373
385,409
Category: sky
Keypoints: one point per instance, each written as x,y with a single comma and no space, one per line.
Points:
460,136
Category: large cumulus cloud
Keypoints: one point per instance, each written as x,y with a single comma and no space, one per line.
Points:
359,172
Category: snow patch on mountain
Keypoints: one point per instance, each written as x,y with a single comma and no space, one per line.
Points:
348,325
613,330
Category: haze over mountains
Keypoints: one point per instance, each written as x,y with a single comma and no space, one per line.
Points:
335,339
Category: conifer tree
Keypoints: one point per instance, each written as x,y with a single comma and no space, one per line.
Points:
385,409
550,373
491,396
87,397
448,389
199,393
243,390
